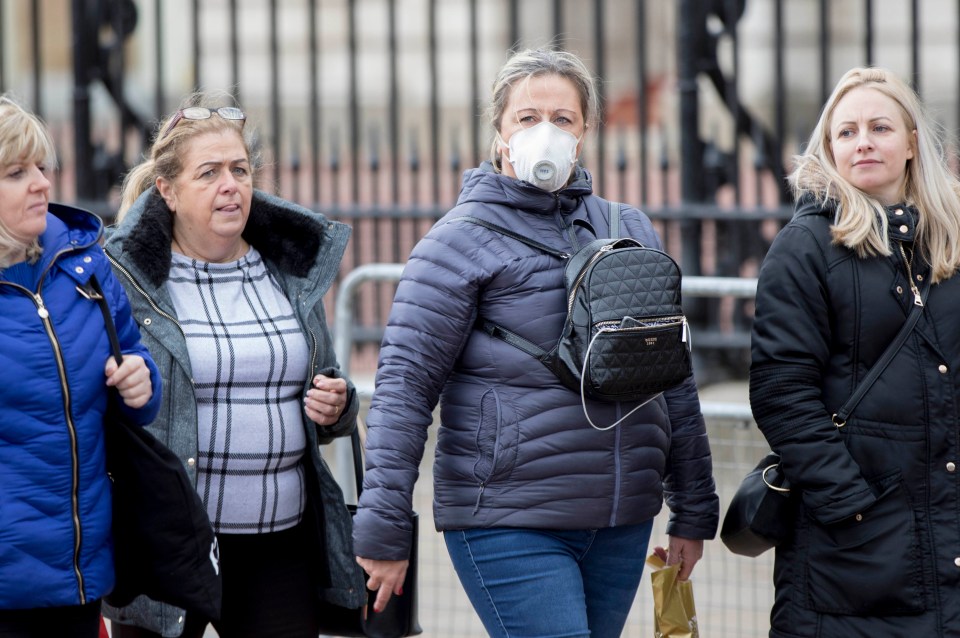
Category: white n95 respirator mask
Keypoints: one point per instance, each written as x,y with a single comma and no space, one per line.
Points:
543,155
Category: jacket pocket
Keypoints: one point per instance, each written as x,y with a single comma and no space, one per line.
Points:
868,564
496,439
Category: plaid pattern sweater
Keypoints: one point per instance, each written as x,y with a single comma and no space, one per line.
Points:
249,361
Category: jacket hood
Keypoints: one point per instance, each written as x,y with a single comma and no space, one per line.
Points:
67,225
288,235
484,184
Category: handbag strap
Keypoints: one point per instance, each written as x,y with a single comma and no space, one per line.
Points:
92,290
841,416
357,459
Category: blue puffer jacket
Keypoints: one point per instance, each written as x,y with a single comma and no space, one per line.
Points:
55,507
514,448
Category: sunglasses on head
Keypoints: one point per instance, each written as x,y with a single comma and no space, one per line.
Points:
203,113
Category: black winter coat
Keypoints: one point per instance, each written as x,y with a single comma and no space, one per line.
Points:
877,546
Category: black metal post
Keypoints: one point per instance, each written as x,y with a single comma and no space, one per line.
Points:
692,32
83,60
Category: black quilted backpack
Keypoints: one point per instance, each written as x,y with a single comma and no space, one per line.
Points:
625,337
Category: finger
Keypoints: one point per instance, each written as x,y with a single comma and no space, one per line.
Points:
383,596
338,386
128,378
110,367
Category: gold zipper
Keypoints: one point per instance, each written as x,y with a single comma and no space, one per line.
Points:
72,431
917,300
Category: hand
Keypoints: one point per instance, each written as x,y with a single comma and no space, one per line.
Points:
386,578
684,551
131,379
326,400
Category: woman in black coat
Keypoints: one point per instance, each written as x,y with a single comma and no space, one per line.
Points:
877,545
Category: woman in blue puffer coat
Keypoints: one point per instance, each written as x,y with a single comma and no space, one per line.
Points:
56,553
547,520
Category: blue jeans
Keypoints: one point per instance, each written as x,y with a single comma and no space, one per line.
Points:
528,583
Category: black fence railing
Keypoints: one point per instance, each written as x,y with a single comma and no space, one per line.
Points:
369,110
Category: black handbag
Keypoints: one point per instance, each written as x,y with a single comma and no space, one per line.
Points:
762,512
399,617
164,544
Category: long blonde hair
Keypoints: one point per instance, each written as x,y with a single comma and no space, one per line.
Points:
860,223
163,159
23,138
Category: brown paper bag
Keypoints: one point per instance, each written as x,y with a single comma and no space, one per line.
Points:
674,615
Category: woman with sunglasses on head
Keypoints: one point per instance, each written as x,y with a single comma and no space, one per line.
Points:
227,284
56,374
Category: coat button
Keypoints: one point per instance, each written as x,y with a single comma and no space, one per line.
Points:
899,290
951,466
942,368
859,517
191,462
898,212
78,270
147,321
956,561
904,228
87,259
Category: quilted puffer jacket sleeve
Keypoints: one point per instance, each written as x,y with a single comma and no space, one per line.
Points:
790,349
432,316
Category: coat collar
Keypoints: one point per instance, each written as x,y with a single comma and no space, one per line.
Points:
484,184
287,235
901,218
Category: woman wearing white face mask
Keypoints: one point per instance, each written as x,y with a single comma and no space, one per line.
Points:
546,519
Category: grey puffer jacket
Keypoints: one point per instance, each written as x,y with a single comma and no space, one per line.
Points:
876,551
514,448
302,250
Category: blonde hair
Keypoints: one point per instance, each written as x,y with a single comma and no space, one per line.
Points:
23,138
163,159
860,222
529,63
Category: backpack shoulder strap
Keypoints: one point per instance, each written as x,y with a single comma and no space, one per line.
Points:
499,332
614,219
509,233
495,330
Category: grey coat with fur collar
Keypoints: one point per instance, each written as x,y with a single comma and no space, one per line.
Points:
302,250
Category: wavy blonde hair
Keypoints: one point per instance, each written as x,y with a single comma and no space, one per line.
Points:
23,138
860,222
163,159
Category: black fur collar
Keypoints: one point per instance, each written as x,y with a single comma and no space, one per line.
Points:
283,235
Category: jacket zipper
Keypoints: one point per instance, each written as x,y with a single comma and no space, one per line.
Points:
139,288
44,315
917,299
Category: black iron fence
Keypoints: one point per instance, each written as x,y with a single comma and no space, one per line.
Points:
369,110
